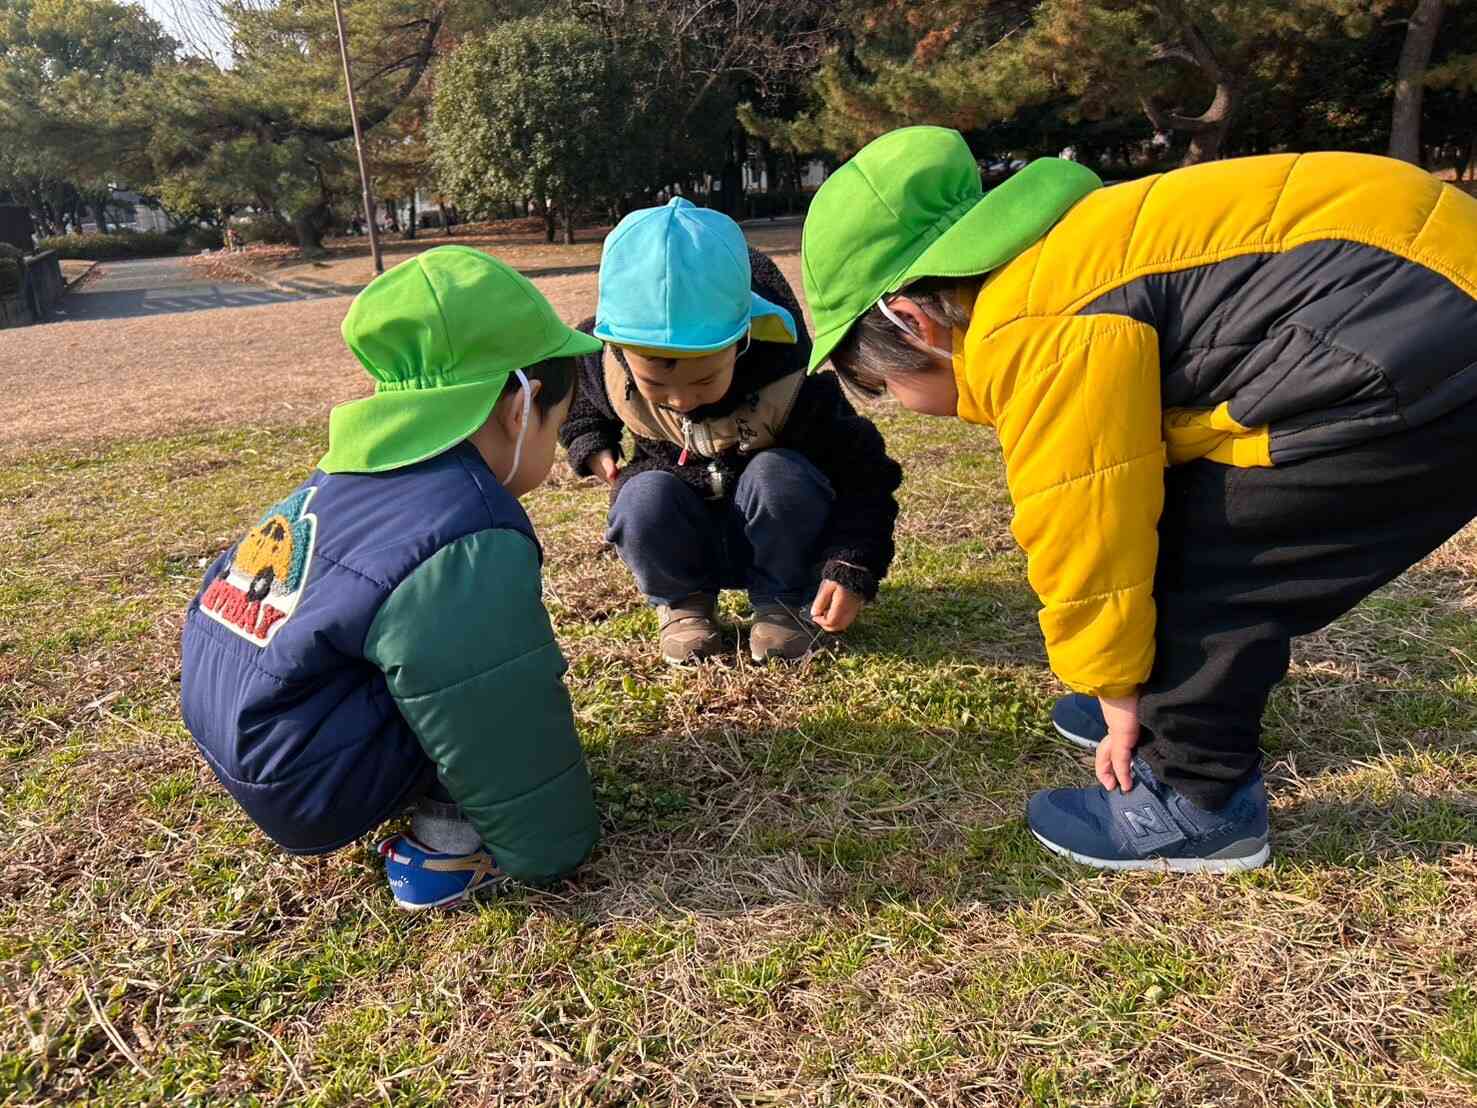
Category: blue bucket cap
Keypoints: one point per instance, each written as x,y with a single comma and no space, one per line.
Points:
677,278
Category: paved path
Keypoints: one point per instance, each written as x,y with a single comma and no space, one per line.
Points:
156,286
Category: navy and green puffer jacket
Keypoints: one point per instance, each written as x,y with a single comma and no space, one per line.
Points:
372,631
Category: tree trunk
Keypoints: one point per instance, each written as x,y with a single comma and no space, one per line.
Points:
548,213
309,224
1205,146
410,227
1410,81
566,213
445,219
392,209
100,213
1207,130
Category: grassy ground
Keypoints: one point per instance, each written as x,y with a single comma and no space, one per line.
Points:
814,885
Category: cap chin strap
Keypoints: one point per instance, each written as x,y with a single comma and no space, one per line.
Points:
523,428
918,340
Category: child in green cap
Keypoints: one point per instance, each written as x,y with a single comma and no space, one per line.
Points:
378,639
745,473
1233,400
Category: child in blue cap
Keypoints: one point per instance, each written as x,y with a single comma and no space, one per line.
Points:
746,473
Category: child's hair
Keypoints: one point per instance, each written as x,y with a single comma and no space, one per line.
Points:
558,375
876,349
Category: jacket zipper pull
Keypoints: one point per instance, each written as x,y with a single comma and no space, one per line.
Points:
686,442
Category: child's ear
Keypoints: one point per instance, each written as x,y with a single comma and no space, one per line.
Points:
509,409
922,325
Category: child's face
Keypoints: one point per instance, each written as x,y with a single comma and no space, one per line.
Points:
539,446
681,384
497,440
935,394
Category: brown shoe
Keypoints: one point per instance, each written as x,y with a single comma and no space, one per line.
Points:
690,630
783,632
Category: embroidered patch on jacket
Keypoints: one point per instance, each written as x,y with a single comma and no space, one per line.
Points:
265,578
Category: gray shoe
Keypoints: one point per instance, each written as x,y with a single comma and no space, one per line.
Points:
783,632
689,629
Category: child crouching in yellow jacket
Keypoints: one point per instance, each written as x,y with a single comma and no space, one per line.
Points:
1233,400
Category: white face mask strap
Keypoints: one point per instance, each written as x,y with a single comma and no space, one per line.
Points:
523,428
898,322
749,338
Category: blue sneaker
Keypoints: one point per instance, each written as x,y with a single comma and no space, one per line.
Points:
1079,720
422,878
1152,827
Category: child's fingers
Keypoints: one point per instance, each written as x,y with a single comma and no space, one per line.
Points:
1122,765
1114,763
824,598
1103,765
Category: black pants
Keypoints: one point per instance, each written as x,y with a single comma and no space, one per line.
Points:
1248,558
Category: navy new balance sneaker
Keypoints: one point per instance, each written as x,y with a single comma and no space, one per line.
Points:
1152,827
422,878
1079,720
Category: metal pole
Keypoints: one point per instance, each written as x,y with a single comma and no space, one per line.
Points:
343,49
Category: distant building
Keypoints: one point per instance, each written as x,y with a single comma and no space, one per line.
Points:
128,209
812,176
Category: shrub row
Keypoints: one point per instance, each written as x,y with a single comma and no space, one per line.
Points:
112,246
266,229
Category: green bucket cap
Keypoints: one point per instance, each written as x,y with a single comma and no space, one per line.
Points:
909,205
440,334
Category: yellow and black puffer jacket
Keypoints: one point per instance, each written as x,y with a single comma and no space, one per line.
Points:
1252,312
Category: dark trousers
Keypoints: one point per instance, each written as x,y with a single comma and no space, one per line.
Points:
1248,558
764,539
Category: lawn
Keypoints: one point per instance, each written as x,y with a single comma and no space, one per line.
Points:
814,885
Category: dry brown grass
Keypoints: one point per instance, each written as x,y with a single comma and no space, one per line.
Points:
813,888
261,366
520,243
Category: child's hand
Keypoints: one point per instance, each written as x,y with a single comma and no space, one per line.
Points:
835,607
1115,752
603,466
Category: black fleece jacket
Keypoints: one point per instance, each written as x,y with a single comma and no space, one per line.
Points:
857,545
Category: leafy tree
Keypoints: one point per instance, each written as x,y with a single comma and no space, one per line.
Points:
65,67
538,108
399,155
273,127
1215,75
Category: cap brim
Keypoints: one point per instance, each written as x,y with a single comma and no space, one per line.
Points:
578,343
995,229
393,429
659,342
768,322
959,251
823,344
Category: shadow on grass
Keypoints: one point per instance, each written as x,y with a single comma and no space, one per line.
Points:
830,811
1365,835
992,621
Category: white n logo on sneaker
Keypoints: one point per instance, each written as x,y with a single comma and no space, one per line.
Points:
1144,821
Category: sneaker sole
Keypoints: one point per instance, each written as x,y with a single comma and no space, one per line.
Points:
687,663
1163,865
465,894
774,656
1075,740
